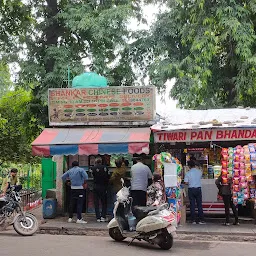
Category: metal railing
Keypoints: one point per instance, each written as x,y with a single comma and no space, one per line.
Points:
30,199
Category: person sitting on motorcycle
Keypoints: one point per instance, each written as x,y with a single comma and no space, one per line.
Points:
11,180
156,192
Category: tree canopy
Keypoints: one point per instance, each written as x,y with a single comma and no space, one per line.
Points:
209,47
20,126
44,39
50,36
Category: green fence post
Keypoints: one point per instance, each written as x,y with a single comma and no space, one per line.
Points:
28,178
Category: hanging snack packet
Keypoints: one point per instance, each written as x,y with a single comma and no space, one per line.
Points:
225,157
236,165
253,156
224,172
236,181
236,173
236,188
242,172
236,157
247,158
242,165
242,158
251,148
243,185
247,167
230,151
246,196
242,179
224,164
240,200
224,151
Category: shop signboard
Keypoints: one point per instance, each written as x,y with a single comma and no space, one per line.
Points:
71,106
231,134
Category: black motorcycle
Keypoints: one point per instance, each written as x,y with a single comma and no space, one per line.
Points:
11,213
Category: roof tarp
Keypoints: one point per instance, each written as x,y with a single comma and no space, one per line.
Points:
91,141
182,119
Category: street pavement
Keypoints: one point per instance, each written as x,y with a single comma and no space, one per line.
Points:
41,245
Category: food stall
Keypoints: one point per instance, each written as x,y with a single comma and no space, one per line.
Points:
88,122
204,134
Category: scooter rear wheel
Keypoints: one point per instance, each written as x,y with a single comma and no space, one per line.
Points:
116,234
166,241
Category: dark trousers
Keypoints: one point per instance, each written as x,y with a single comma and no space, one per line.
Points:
228,203
100,195
195,198
77,197
139,197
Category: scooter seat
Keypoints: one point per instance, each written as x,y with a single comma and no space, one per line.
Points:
141,212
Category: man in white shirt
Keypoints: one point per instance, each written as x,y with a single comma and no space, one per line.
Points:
193,180
140,174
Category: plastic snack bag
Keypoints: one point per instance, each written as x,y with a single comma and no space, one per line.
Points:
243,185
253,156
251,149
240,200
242,165
236,188
236,165
236,173
242,172
224,151
242,179
224,164
224,172
236,181
247,167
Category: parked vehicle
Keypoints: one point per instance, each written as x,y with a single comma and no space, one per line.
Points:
151,224
11,213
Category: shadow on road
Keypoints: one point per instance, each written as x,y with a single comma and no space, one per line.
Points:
189,245
8,233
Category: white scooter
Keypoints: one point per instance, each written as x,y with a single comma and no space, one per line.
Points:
155,225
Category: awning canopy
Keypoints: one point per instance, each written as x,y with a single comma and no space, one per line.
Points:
91,141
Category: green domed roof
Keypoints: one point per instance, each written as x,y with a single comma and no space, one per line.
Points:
89,79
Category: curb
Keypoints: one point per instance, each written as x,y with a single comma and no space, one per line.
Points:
182,235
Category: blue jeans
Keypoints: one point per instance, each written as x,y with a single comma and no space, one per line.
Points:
195,197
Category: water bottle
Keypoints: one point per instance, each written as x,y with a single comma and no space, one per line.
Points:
132,222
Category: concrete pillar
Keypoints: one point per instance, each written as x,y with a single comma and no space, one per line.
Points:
59,183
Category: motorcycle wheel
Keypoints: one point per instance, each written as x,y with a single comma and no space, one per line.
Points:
115,234
166,241
28,227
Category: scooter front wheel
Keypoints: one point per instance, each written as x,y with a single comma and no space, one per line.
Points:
116,234
166,240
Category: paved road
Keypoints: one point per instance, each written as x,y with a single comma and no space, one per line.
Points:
50,245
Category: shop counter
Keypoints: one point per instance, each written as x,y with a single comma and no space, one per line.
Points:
209,196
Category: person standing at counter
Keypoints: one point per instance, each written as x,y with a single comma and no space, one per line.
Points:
140,174
225,192
193,180
77,177
100,174
118,174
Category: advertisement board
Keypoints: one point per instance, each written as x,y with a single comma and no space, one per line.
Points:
110,104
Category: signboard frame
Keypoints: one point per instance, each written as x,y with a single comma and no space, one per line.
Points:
204,135
137,101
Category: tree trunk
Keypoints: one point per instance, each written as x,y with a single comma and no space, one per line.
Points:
52,31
